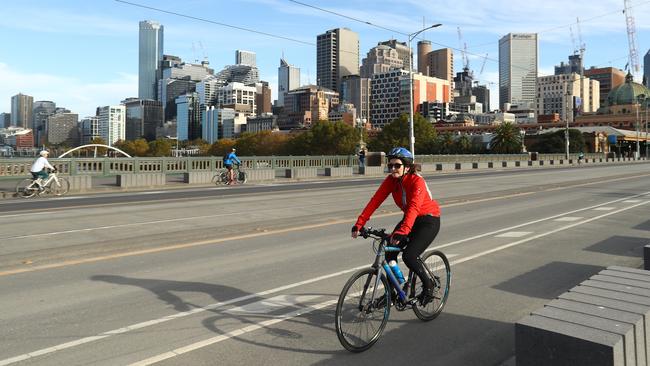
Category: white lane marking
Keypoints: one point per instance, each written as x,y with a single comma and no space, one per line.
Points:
632,201
305,282
568,218
514,234
274,304
250,328
231,334
153,192
604,208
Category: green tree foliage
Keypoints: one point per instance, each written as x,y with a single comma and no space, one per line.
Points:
396,133
221,146
101,151
463,145
325,138
200,144
554,143
263,143
445,144
506,140
138,147
160,147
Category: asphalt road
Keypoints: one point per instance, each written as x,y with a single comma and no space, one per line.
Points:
248,275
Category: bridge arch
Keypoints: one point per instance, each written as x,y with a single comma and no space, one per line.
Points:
96,146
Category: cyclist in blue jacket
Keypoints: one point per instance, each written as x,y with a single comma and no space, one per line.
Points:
228,161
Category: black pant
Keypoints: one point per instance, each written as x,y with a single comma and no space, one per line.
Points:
425,229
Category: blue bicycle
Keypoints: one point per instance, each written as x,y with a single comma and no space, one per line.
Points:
365,301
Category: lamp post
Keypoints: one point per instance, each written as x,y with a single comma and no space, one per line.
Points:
566,118
639,99
361,122
522,132
411,132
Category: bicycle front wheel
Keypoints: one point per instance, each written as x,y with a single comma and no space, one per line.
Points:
26,188
220,178
63,187
437,265
362,310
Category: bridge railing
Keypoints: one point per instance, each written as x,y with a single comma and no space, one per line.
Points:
14,167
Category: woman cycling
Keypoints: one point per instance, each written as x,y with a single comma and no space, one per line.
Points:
421,221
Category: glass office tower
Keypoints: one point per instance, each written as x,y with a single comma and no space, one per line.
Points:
518,70
150,56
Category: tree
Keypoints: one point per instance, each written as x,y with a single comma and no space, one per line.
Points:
263,143
506,140
200,144
445,144
333,138
396,133
221,146
463,145
555,143
101,151
160,147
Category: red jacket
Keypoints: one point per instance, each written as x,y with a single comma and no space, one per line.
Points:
410,194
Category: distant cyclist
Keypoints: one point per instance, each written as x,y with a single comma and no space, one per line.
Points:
581,157
421,221
38,169
228,161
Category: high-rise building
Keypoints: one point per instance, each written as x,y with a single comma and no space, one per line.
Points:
213,122
237,94
90,129
21,110
646,69
63,128
608,77
150,58
424,49
262,98
356,90
518,70
337,55
245,74
380,59
188,122
440,65
482,93
463,83
179,78
288,79
41,111
5,120
142,118
574,66
245,58
402,49
306,105
564,95
112,123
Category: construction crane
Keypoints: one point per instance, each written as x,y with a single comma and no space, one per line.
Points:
631,37
483,65
463,49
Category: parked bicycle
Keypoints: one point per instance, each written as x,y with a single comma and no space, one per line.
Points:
54,185
364,305
222,176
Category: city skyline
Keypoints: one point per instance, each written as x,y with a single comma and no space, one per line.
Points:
86,55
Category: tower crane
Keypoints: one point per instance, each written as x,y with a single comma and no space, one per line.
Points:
463,50
631,37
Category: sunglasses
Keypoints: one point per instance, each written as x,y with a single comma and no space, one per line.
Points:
396,165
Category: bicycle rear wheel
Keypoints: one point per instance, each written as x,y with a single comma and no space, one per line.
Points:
26,188
59,189
221,177
437,264
362,310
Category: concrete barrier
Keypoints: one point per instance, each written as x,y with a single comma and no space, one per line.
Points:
260,175
79,183
198,177
338,172
372,170
605,320
301,173
428,167
141,180
646,257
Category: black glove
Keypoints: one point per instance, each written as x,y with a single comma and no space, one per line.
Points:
356,229
399,238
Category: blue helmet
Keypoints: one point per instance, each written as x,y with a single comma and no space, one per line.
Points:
401,153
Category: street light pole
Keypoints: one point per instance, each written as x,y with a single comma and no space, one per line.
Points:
411,131
637,153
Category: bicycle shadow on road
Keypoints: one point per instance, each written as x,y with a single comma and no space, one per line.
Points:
165,289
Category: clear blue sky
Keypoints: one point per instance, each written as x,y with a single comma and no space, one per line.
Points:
83,54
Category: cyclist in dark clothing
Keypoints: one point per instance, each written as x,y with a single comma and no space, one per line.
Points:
421,221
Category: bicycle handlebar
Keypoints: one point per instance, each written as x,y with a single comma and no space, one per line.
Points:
375,233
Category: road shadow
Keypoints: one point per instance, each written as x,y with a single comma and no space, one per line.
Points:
549,280
620,245
167,290
643,226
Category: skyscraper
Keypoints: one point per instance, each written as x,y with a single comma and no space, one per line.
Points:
440,64
245,58
40,112
288,79
21,110
402,51
518,69
150,57
337,55
112,123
